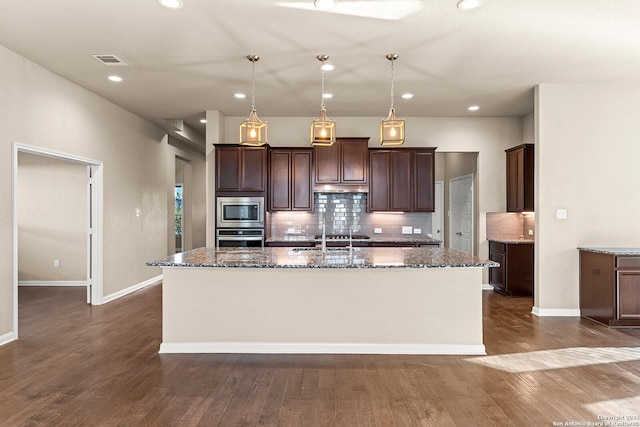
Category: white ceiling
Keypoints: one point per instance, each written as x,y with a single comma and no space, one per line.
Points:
184,62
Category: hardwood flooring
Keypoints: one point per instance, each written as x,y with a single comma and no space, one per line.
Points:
98,366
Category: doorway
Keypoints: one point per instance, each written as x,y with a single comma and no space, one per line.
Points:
461,213
94,222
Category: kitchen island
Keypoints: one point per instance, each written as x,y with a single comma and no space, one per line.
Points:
304,300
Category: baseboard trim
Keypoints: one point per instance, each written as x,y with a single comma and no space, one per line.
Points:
555,312
130,289
321,348
7,338
52,283
487,287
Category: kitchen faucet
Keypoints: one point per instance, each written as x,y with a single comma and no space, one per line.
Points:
324,234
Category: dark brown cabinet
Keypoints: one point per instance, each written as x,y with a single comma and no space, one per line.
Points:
514,277
290,180
344,162
520,170
401,180
241,169
610,288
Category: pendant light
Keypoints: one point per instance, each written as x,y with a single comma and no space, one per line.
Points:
253,131
392,128
323,130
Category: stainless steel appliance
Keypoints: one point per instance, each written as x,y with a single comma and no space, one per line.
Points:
240,212
240,238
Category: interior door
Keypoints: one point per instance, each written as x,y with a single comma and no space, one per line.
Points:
461,213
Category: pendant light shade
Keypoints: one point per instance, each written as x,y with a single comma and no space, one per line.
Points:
253,131
392,128
323,130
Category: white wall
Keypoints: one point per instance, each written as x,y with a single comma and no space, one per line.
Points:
41,109
587,154
52,219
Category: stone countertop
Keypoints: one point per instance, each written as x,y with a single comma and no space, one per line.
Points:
514,241
408,239
314,258
613,251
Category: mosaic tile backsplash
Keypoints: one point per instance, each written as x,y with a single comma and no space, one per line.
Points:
344,211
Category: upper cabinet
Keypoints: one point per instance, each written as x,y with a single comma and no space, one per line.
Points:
290,179
520,178
401,180
241,168
344,162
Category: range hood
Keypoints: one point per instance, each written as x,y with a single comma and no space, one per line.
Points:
340,188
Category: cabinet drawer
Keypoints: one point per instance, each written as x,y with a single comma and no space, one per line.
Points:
627,262
497,247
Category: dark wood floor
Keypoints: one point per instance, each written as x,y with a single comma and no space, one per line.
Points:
98,366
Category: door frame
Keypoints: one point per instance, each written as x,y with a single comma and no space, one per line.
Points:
471,195
95,237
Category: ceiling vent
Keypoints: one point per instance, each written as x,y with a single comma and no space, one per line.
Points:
109,60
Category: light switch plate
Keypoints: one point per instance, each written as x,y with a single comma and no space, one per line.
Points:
407,229
417,231
561,214
377,231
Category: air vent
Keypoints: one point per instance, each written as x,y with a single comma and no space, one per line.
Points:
109,60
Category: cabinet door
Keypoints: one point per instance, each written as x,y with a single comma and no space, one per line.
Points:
629,294
520,176
378,199
327,161
254,169
424,167
400,180
355,159
597,286
515,180
227,169
279,180
497,275
301,194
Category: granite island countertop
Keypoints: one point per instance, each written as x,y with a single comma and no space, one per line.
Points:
276,257
390,240
612,251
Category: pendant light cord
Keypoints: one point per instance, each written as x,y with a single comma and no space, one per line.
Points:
322,106
392,83
253,84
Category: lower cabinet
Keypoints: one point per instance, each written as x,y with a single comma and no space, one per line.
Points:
514,277
610,288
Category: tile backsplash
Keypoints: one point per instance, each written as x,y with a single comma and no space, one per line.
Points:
510,226
343,211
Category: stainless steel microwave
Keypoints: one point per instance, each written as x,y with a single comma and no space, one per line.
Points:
240,212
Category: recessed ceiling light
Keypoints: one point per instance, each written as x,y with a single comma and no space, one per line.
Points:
324,4
203,121
171,4
407,95
327,95
240,95
327,67
469,4
473,108
115,78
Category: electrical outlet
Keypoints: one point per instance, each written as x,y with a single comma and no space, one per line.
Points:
377,231
561,214
407,229
56,263
530,232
